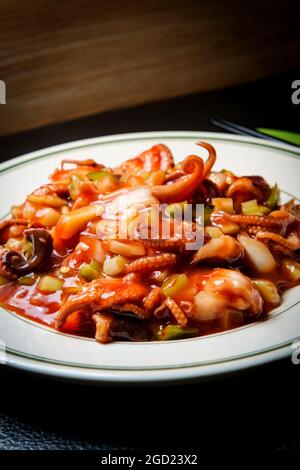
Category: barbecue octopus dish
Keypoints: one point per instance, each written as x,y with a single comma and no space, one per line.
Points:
80,254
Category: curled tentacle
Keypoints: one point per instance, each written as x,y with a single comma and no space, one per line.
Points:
187,307
42,247
260,183
286,219
4,269
102,294
176,311
174,175
151,262
249,187
288,245
183,187
292,208
246,188
103,324
211,158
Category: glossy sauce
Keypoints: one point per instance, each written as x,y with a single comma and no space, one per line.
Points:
29,302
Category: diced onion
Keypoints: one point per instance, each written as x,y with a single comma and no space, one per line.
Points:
252,208
114,266
50,284
47,216
174,285
223,204
126,248
91,271
258,254
214,232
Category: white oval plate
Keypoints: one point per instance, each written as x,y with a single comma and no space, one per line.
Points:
39,349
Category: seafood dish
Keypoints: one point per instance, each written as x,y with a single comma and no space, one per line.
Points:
151,250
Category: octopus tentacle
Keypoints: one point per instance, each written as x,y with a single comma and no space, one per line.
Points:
132,277
285,217
187,307
292,208
190,231
100,295
134,309
211,157
176,311
164,244
103,323
253,229
174,175
262,220
183,187
152,300
287,245
151,262
4,269
247,187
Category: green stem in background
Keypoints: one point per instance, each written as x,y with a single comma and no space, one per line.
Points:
290,137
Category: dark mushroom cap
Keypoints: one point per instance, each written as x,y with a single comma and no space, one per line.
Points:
40,259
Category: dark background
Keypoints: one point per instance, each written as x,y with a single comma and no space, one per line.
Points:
256,409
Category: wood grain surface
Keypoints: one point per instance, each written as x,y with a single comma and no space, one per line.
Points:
70,58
